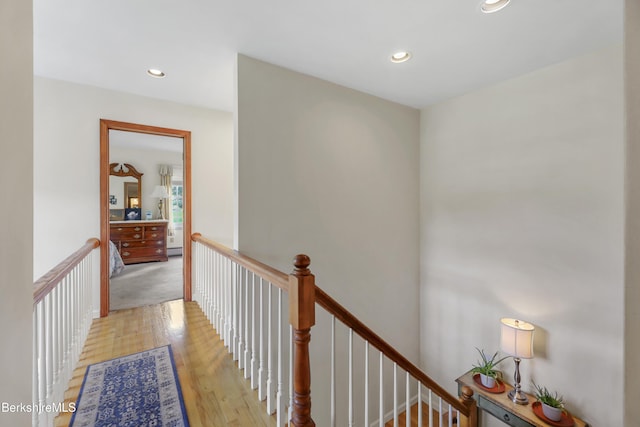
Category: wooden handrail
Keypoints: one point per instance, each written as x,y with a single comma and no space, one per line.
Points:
272,275
46,283
341,313
303,291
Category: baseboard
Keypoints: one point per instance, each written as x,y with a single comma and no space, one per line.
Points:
174,251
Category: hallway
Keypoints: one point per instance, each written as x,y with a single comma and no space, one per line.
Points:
214,392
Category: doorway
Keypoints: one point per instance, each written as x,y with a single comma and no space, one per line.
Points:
105,127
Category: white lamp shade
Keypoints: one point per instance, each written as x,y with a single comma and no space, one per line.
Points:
516,338
160,191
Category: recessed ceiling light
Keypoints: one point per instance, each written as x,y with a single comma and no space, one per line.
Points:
155,73
400,57
490,6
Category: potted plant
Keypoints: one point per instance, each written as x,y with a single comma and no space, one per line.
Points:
487,368
552,403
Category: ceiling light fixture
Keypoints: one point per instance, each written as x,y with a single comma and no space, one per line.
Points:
156,73
399,57
490,6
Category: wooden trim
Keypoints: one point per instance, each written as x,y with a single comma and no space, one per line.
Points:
117,169
341,313
105,126
186,214
272,275
50,280
104,218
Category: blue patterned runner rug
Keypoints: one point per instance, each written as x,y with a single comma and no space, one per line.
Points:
141,389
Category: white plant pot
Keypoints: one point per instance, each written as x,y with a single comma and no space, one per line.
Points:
554,414
487,381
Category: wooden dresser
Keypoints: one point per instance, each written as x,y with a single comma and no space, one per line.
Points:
140,241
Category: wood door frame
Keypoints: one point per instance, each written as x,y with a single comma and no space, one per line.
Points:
105,127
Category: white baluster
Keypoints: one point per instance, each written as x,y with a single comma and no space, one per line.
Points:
381,406
215,287
270,396
228,301
290,371
261,372
350,377
407,401
234,309
211,288
200,273
42,380
206,284
55,353
450,411
279,399
333,371
254,343
395,394
247,346
220,319
75,282
430,409
49,349
439,410
420,417
366,383
34,367
240,302
223,292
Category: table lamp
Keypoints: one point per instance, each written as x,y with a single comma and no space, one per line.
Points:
516,339
160,191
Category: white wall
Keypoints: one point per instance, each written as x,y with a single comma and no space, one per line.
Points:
333,173
522,216
632,290
16,195
66,163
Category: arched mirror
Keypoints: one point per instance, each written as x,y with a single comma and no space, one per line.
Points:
125,192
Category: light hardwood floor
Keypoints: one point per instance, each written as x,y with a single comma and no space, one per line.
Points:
402,420
214,390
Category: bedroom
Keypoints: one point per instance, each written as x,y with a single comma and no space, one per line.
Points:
152,268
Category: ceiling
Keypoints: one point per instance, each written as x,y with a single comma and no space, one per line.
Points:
455,47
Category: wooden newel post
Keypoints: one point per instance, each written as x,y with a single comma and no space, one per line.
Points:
302,316
466,398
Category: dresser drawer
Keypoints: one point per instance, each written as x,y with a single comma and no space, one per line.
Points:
124,244
154,235
126,228
502,414
126,233
134,253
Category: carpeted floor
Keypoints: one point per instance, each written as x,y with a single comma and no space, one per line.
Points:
147,283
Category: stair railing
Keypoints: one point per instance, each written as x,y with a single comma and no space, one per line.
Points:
62,316
246,302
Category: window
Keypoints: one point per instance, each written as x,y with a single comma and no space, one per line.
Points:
176,203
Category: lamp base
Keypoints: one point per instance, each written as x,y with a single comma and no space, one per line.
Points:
160,211
518,397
